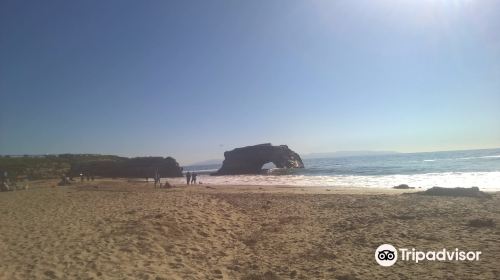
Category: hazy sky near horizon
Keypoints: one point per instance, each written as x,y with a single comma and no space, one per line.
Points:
192,79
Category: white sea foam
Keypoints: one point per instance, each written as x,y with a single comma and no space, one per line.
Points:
495,156
483,180
462,158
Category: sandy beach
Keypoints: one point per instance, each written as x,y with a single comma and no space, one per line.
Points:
116,229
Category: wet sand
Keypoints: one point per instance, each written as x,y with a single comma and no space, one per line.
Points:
115,229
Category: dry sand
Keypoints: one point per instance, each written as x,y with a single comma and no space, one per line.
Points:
114,229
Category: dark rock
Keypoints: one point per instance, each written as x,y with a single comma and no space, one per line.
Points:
140,167
347,277
481,222
249,160
463,192
403,187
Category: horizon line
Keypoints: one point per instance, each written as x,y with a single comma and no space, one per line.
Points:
191,163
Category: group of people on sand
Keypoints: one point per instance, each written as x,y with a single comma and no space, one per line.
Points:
4,182
12,183
191,177
157,178
83,176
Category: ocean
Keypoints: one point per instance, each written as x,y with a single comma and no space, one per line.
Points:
469,168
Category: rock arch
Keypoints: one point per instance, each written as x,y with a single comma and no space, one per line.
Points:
250,159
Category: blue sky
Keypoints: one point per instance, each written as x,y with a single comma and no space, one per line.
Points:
192,79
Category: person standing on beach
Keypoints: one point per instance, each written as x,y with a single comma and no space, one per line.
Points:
193,178
188,177
157,178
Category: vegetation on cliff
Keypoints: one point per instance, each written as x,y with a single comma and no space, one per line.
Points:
55,166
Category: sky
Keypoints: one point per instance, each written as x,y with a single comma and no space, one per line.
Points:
192,79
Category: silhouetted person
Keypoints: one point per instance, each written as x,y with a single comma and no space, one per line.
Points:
188,177
193,178
3,177
157,178
81,177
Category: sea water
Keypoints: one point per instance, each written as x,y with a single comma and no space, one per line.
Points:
479,168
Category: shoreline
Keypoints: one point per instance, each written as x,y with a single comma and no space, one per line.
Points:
273,188
486,181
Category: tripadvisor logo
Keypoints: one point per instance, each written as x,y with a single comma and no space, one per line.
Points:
387,255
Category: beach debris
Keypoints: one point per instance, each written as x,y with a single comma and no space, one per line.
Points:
402,187
481,222
460,192
250,159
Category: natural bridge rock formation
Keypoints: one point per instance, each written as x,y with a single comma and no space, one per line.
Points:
249,160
